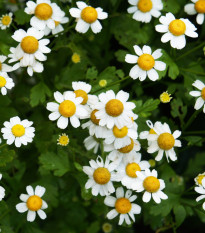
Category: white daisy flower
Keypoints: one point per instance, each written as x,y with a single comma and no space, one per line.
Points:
201,190
146,63
45,14
114,109
91,142
68,107
63,140
126,172
144,9
2,190
5,83
198,180
32,202
120,137
87,17
175,30
124,152
81,89
5,21
18,132
93,125
201,94
144,134
197,7
35,67
101,175
4,67
163,141
58,27
31,46
147,181
123,205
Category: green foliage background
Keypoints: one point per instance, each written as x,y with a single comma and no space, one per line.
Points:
72,209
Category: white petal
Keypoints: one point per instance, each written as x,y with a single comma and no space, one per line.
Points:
132,59
199,103
146,197
21,207
41,214
31,216
159,65
39,190
96,26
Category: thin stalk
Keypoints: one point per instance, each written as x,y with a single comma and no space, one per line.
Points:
191,119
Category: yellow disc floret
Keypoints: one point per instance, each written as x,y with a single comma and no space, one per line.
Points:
165,97
151,131
18,130
114,107
29,44
101,175
75,58
151,184
93,117
34,203
127,149
200,6
67,108
83,94
132,168
89,14
166,141
123,205
203,93
146,61
43,11
177,27
199,179
63,140
103,82
120,133
6,20
144,5
2,81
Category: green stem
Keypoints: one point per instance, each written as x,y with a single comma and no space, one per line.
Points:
192,71
191,51
112,84
194,132
191,119
4,214
3,145
60,33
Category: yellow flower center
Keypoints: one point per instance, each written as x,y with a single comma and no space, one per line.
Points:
103,82
83,94
43,11
63,140
2,81
18,130
165,97
6,20
131,169
29,44
127,149
146,62
152,162
114,107
89,14
200,178
200,6
177,27
93,117
67,108
151,184
34,203
75,58
203,93
166,141
144,5
120,133
151,131
101,175
56,23
123,205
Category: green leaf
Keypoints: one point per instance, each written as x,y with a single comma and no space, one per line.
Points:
58,163
120,55
194,140
6,156
92,73
144,110
21,17
94,227
39,93
171,6
78,166
180,214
